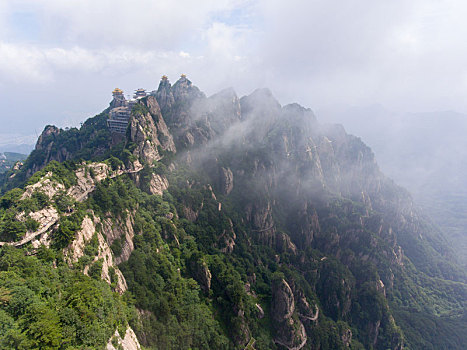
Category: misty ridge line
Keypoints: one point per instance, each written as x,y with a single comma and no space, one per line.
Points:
251,130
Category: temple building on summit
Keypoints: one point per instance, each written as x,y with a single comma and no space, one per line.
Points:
120,112
140,93
120,107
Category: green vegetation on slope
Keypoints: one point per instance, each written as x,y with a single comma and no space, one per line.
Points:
47,307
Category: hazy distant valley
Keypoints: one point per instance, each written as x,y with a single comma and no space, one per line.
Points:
427,154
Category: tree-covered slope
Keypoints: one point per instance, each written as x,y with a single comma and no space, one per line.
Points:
222,223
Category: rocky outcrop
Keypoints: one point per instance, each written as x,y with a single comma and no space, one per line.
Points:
122,229
226,180
175,101
284,243
221,111
46,144
163,134
50,131
128,342
87,178
260,311
45,185
260,216
149,131
183,89
290,332
190,214
346,337
143,133
228,238
283,304
46,218
183,106
76,250
158,184
202,275
306,311
105,253
59,145
164,95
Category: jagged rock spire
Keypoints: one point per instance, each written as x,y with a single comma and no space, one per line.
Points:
164,94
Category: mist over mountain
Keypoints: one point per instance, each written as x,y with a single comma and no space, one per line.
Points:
424,152
177,220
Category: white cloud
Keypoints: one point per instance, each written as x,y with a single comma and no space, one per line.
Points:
406,55
184,54
160,24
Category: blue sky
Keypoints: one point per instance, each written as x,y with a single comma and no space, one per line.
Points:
60,60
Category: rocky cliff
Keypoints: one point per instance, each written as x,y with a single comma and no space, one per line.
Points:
237,222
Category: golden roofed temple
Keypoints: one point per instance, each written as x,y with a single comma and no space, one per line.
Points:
140,93
117,91
164,77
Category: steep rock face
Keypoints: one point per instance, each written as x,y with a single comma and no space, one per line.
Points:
283,305
121,229
149,131
46,218
158,184
76,250
163,134
306,311
260,216
45,185
45,144
307,191
194,119
227,239
220,111
128,342
226,180
164,95
91,140
87,177
176,101
202,275
290,332
143,133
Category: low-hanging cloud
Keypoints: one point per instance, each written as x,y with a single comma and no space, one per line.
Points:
408,56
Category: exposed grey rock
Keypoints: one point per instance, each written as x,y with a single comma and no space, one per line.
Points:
143,133
228,236
226,180
76,250
290,332
49,131
202,275
129,341
283,304
190,214
284,243
164,94
163,134
260,311
149,131
158,184
118,228
306,311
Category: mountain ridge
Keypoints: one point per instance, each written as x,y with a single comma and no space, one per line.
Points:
287,227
